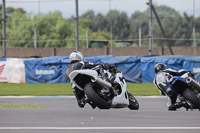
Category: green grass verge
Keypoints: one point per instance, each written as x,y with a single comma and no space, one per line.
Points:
143,89
35,89
7,89
20,106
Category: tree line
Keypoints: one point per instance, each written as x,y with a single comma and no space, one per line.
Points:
53,30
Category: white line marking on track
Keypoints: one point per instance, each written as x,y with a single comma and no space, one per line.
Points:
99,128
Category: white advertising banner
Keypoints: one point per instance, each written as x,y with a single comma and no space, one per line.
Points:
4,71
16,70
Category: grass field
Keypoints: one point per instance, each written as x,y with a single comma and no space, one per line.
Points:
7,89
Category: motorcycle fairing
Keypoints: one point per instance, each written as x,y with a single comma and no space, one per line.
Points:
76,73
121,100
178,84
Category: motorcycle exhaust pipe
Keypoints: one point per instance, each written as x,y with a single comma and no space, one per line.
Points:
101,82
191,81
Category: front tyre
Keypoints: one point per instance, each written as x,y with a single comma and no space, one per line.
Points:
92,93
190,96
133,103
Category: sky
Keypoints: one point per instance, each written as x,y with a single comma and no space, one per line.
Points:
67,7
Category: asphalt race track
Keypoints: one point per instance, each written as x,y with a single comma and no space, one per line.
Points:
64,116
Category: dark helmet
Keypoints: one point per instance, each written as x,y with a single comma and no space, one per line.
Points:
75,57
158,67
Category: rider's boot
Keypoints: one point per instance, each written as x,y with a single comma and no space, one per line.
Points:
90,103
81,102
80,96
177,105
185,104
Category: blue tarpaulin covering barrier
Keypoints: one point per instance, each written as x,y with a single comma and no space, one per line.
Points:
52,69
96,59
148,63
128,65
2,59
192,63
45,70
136,69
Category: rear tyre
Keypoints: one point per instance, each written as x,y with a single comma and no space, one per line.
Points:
97,99
190,96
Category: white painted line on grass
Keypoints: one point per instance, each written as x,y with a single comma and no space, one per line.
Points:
99,128
16,96
70,96
37,96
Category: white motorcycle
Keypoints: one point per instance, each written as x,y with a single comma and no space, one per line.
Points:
101,92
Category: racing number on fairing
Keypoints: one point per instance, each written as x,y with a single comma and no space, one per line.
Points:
122,81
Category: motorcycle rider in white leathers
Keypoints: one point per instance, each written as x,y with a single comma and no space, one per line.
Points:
77,63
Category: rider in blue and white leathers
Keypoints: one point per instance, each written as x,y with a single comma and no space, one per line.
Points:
166,90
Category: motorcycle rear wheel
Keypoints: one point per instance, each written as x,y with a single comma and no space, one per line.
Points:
190,96
93,95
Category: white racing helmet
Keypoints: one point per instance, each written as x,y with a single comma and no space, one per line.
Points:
75,56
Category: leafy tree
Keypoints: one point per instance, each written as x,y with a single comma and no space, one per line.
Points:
53,28
10,11
98,22
197,27
171,21
19,30
84,25
88,15
139,20
55,31
119,22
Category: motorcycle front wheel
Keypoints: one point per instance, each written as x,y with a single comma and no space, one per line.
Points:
133,103
193,98
93,93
